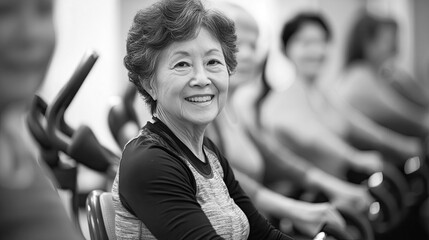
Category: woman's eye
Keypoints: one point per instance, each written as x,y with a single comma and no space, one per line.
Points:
214,62
182,65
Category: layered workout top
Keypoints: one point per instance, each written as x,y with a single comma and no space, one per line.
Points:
163,191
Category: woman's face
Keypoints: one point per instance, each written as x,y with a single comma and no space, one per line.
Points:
247,37
27,41
383,46
307,49
191,80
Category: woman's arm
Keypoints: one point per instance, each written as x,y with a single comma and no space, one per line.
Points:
362,91
317,141
360,128
307,217
290,166
160,191
404,84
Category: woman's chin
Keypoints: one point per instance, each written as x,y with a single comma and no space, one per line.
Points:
202,119
201,114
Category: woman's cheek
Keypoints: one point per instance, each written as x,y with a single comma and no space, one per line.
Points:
224,81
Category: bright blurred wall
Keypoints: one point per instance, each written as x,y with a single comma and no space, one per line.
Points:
84,25
87,25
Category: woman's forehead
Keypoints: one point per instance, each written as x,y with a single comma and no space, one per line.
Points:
204,42
310,30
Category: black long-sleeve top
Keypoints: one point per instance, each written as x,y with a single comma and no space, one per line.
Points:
163,191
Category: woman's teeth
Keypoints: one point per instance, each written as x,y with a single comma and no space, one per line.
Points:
199,99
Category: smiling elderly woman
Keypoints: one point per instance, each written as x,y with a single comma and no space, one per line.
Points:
172,182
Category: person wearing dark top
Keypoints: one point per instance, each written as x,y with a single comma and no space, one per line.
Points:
173,183
30,207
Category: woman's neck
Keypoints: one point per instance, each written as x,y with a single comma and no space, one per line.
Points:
231,93
308,80
190,134
5,107
369,64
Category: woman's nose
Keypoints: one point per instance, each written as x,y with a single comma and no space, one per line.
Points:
200,77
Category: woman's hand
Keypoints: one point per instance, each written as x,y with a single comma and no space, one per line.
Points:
407,147
367,161
351,196
312,217
343,195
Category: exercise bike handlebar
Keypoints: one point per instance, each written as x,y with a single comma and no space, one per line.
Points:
81,144
38,111
85,148
38,130
55,112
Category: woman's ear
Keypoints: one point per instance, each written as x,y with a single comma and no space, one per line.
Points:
149,87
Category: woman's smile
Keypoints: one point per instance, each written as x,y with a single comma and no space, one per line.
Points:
201,99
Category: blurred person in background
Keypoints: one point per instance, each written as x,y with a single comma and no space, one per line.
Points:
280,162
308,49
230,134
289,114
377,86
29,204
317,126
288,117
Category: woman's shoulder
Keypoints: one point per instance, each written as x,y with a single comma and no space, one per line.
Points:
144,156
149,142
357,78
358,72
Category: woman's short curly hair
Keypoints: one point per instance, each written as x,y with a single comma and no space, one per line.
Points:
169,21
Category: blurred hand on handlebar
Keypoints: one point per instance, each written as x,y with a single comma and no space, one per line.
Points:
412,147
342,194
320,236
314,216
367,161
351,196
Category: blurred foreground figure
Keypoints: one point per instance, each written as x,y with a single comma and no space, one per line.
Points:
29,204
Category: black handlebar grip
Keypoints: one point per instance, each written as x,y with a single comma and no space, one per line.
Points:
86,149
55,112
360,222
